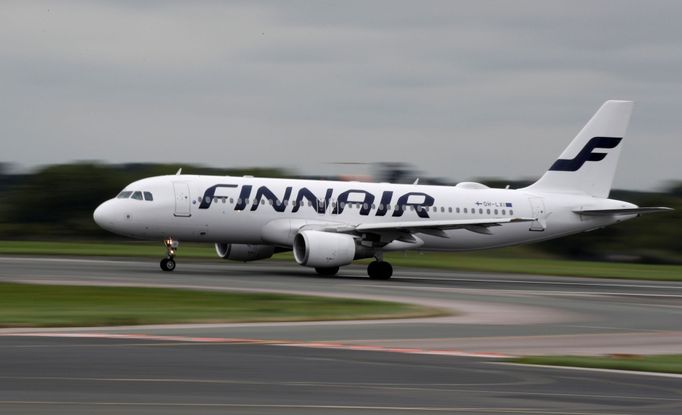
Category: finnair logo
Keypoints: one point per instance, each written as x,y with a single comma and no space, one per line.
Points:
586,154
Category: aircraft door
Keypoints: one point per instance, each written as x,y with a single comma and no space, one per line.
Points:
538,211
182,199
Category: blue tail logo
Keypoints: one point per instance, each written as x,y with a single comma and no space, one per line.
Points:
586,154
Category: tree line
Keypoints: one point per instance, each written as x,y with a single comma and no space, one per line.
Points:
56,202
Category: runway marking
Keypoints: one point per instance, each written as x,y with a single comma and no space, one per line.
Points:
595,369
438,387
426,274
368,348
327,407
285,343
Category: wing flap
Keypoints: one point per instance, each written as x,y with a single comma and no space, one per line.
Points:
423,226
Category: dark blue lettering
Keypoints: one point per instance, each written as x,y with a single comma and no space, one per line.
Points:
586,154
385,202
277,204
243,197
343,199
210,192
402,204
319,205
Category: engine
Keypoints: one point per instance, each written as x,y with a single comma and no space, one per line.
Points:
324,249
244,252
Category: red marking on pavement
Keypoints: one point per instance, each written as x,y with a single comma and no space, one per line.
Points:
286,343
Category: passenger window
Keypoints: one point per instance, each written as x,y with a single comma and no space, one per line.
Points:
504,212
457,210
148,196
487,211
480,211
465,210
137,196
124,195
511,212
496,211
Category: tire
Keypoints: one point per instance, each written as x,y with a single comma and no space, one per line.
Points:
372,269
327,271
167,264
380,270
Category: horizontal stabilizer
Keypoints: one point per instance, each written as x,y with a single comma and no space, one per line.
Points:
626,211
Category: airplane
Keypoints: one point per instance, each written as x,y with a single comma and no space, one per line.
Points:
329,224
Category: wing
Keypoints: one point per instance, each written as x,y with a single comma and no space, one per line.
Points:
474,225
386,232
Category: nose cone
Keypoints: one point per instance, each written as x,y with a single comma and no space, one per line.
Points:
104,216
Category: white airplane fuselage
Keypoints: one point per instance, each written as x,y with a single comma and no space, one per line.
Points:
329,224
182,210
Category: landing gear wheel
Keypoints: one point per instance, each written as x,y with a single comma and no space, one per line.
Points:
327,270
167,264
379,270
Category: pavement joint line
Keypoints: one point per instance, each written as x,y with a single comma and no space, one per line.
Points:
594,369
302,406
435,272
285,343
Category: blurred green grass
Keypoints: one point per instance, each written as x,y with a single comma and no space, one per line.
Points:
654,363
28,305
520,260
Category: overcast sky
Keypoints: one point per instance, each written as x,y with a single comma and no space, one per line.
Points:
460,89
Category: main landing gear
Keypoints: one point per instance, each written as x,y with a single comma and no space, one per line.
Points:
379,270
168,263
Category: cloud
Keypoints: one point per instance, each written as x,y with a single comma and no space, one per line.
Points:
461,89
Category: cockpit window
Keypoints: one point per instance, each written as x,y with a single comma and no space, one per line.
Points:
148,196
137,196
124,195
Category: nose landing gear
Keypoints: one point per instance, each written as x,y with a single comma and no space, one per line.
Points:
168,263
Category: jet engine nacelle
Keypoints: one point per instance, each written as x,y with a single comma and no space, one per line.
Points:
244,252
325,249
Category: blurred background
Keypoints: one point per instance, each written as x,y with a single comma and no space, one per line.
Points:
55,203
447,91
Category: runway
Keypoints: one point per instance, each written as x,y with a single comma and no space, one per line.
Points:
359,367
84,376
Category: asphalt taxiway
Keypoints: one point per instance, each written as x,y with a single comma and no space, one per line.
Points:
113,376
391,366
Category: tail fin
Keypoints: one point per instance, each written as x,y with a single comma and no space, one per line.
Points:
589,163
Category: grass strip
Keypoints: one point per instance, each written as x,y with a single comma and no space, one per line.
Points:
538,266
508,260
33,305
654,363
